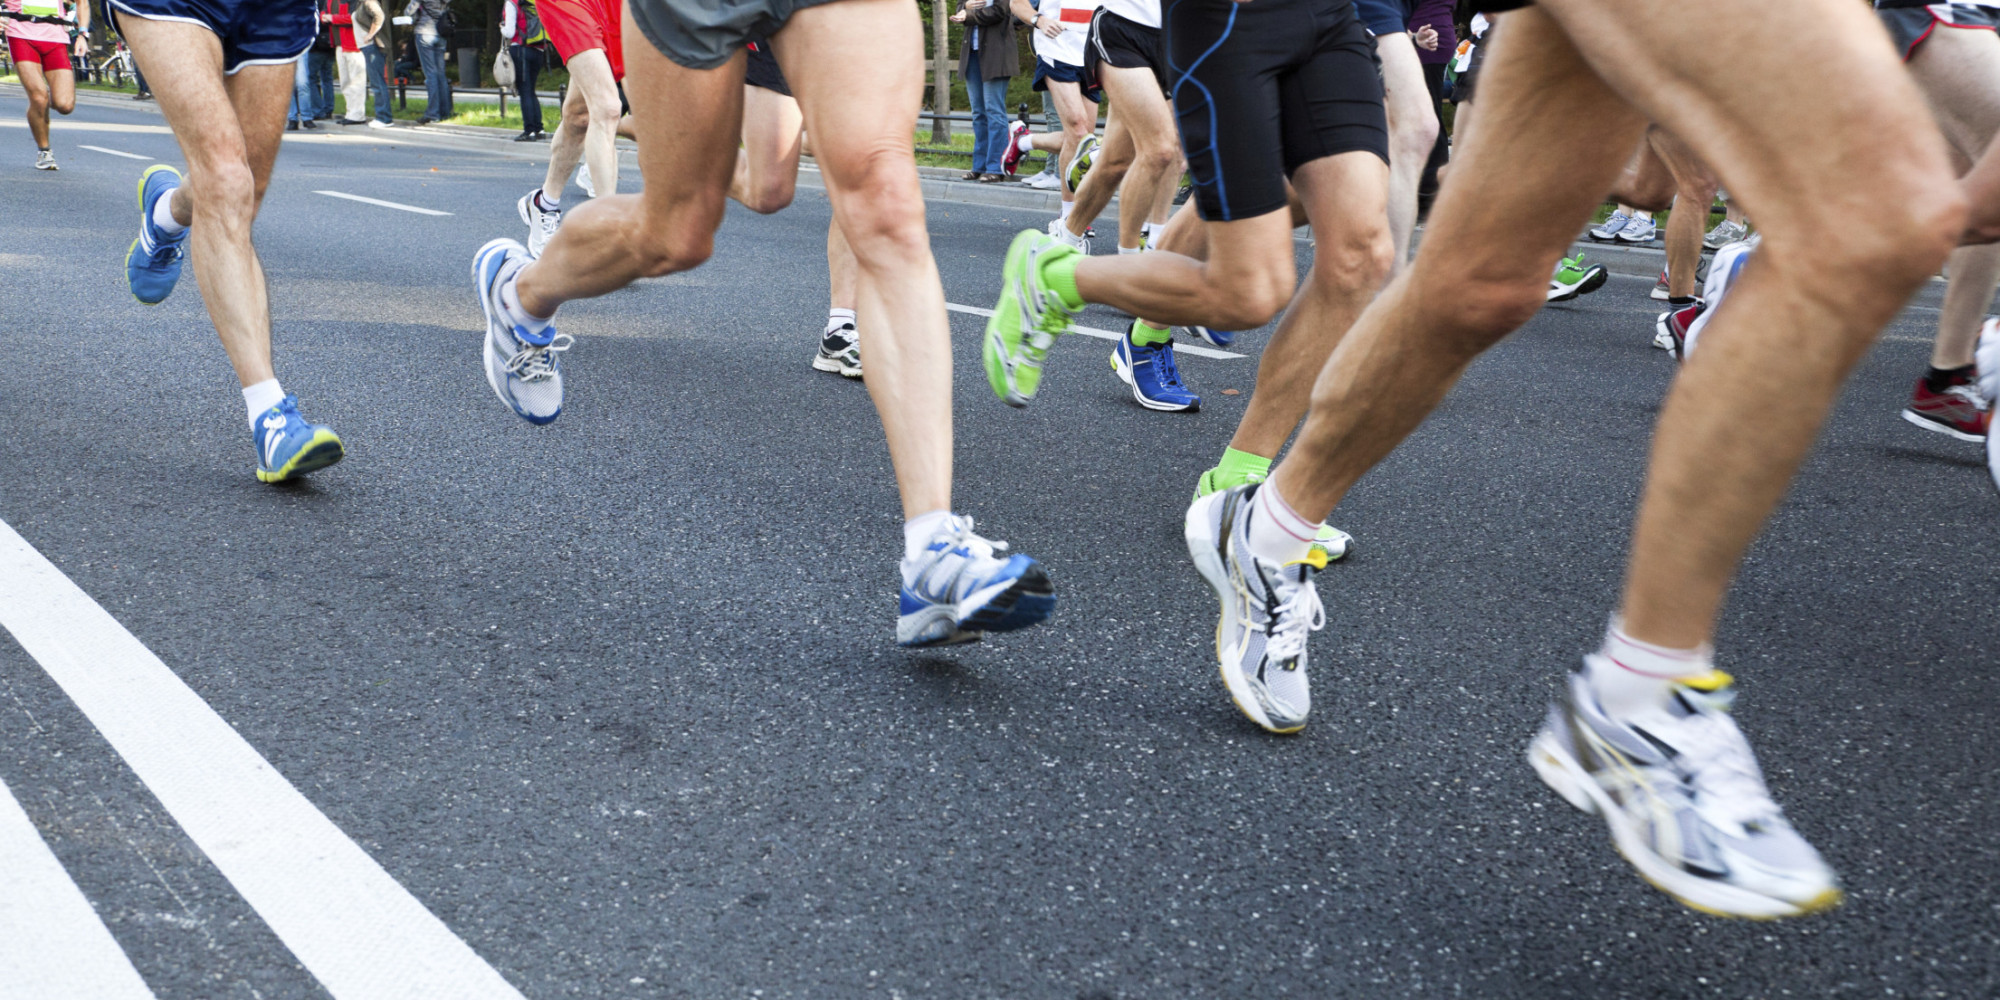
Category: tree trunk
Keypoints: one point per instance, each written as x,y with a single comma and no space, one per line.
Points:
941,72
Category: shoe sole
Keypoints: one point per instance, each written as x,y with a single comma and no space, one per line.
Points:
1933,426
1593,279
1654,238
1207,556
1124,373
323,450
1562,773
1660,294
823,363
1663,337
1026,600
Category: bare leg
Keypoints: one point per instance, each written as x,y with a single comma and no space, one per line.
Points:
589,127
1079,119
767,167
228,129
1413,129
62,90
37,85
1960,76
842,272
1107,172
1155,146
1248,277
1695,187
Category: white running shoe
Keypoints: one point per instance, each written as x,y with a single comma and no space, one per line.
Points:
583,180
45,159
839,352
1611,227
1063,235
1685,800
961,587
522,367
1268,612
379,123
542,224
1986,358
1044,181
1722,275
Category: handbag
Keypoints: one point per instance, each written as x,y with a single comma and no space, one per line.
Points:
503,71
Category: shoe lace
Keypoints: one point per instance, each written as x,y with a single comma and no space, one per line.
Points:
534,364
1166,368
1292,621
1717,761
1968,393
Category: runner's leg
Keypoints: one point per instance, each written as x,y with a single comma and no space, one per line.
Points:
1107,171
62,91
1079,118
1413,130
1695,191
1959,72
37,85
767,167
1155,146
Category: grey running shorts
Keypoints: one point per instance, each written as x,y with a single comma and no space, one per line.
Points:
704,34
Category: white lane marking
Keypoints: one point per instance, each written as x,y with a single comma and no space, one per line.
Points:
52,944
359,932
113,152
1091,331
385,204
63,126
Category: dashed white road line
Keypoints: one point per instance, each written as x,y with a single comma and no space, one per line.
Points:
113,152
385,204
52,944
348,922
1090,331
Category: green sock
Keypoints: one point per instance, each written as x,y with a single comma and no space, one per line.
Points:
1239,467
1145,334
1059,273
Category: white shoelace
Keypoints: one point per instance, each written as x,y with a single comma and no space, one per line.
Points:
534,364
1719,763
1294,622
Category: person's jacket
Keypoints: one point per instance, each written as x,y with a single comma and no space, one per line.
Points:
343,24
999,51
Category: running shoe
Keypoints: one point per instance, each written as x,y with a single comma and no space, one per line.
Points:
1061,232
45,159
1611,228
583,180
1026,321
1220,338
1724,233
1331,541
1958,411
1268,612
542,223
1152,374
1079,165
1987,362
1661,290
1010,161
153,262
962,587
1671,330
288,446
840,352
522,367
1573,279
1685,800
1722,274
1046,180
1638,230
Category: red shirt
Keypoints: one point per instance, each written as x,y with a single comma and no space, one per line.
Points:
343,21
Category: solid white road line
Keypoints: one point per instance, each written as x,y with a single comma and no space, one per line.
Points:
113,152
52,943
385,204
1090,331
363,935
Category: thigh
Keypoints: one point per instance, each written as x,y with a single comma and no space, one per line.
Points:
1404,91
857,131
688,123
1688,171
1141,106
183,66
1346,197
33,80
62,85
259,95
1958,70
772,127
1076,111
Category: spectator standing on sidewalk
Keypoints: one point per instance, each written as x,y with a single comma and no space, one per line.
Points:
371,25
522,28
347,55
301,114
432,21
1435,15
986,61
319,70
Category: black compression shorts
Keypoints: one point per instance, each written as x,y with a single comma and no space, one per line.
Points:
762,69
1124,43
1263,88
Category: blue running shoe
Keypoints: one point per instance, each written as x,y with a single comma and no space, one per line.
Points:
960,588
153,264
287,446
521,366
1220,338
1152,374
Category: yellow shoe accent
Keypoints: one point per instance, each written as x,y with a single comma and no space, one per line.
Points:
1315,557
323,450
1714,680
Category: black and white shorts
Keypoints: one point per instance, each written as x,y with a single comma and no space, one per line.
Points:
1124,43
1910,23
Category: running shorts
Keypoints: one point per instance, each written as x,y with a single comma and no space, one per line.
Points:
704,34
763,71
1062,72
1124,43
253,32
51,55
577,26
1268,87
1383,17
1910,23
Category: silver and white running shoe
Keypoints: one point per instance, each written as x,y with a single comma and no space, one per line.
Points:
1724,233
963,586
1722,274
45,159
521,366
583,180
1986,359
840,352
1046,180
1063,235
1638,230
542,224
1685,800
1268,612
1611,227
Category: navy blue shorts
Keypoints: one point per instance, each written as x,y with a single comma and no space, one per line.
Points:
1383,17
1063,73
253,32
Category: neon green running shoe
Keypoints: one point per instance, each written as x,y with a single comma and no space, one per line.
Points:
1573,279
1027,319
1079,165
1331,542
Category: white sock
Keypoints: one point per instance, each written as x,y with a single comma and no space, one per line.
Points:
549,202
510,303
1062,214
1628,675
1276,533
259,398
837,318
917,532
1026,143
163,216
1141,248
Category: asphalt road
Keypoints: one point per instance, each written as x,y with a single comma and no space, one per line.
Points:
616,699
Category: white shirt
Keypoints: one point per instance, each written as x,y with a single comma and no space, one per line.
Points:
1074,16
1146,12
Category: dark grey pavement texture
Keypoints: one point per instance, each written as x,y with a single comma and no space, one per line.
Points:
616,698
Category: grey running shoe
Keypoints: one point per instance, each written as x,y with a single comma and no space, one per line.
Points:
1268,612
840,352
1724,233
542,223
1611,227
45,159
1638,230
1685,800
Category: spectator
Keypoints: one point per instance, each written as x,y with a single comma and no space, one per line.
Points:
1436,15
433,37
371,23
319,71
522,28
300,116
347,54
986,62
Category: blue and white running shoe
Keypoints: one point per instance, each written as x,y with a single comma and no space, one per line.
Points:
521,366
1152,374
153,264
1220,338
961,587
1722,275
288,446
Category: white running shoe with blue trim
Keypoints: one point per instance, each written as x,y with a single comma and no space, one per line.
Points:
1268,612
521,366
961,587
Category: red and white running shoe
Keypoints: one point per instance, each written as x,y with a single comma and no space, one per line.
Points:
1010,161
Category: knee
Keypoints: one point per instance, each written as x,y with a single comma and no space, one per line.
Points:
1250,301
63,105
1357,260
1413,135
1077,131
38,99
1484,309
1908,235
1161,156
675,246
228,189
770,194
